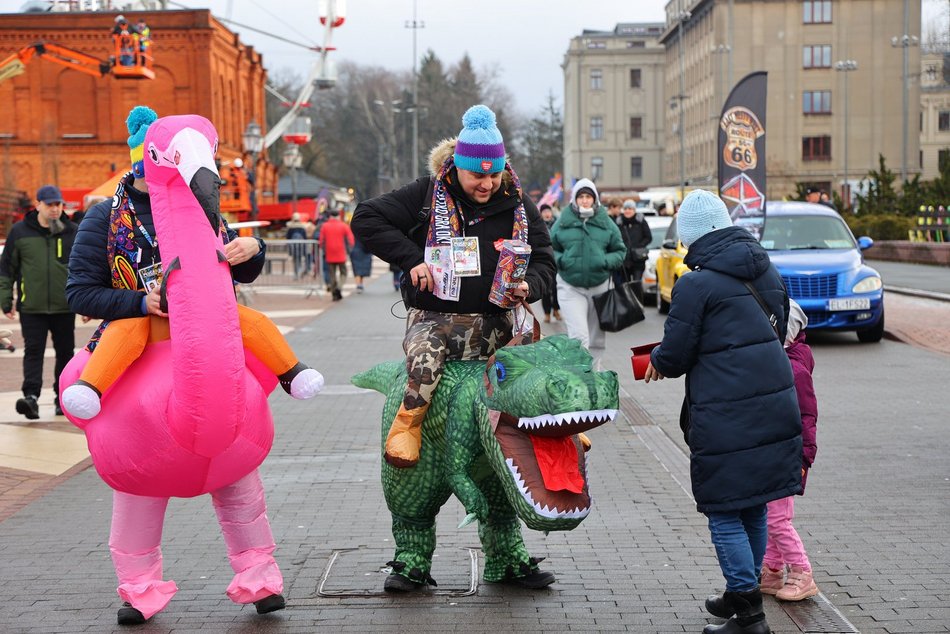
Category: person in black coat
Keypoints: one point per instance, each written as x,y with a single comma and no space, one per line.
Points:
474,200
637,236
740,415
472,193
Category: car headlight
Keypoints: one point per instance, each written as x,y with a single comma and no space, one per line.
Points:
868,285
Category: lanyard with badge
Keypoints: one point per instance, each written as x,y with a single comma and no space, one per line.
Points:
150,275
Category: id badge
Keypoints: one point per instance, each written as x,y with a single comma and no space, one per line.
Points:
151,276
465,258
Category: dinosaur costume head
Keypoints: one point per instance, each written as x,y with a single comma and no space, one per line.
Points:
539,397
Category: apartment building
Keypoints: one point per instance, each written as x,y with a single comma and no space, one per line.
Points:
840,92
836,85
934,112
613,107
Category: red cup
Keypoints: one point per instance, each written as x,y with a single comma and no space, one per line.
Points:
641,359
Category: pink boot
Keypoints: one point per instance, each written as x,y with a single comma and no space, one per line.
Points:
771,580
798,585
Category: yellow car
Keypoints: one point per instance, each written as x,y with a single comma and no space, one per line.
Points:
669,267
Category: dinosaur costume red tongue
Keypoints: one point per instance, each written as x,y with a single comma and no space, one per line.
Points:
557,459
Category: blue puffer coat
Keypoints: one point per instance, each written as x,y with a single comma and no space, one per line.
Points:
742,420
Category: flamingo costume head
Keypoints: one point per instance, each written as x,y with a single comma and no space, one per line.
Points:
191,414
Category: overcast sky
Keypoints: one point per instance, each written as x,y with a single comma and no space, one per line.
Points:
522,41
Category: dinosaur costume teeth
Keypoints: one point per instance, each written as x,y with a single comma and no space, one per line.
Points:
567,422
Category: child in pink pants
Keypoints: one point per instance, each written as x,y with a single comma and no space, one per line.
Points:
786,571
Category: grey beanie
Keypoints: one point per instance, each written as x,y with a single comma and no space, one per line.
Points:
702,212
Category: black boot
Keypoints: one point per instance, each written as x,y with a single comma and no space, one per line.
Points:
270,603
128,615
749,616
717,605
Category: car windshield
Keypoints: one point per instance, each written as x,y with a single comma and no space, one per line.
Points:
792,233
658,233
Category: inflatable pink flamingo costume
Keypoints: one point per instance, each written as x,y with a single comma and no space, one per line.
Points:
190,416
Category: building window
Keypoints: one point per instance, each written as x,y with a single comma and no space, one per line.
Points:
636,167
635,78
816,148
816,11
596,168
816,56
636,127
596,79
816,102
943,120
596,128
596,44
942,157
636,44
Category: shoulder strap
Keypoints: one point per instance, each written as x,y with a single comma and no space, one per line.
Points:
768,313
427,205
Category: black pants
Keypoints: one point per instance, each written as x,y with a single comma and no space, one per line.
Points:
632,273
34,327
549,300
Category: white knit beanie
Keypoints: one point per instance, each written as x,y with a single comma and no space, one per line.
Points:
701,212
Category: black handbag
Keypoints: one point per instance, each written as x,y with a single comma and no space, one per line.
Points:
618,307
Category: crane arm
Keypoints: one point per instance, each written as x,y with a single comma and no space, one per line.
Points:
317,72
15,64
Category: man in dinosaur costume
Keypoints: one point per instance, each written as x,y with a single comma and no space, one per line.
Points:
506,439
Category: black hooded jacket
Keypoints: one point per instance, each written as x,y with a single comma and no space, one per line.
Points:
384,223
34,262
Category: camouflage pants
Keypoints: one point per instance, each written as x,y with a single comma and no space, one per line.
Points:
433,338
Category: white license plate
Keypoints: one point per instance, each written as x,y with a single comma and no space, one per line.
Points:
849,303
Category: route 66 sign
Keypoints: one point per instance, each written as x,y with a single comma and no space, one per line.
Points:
742,128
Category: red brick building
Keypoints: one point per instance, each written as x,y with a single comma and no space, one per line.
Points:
58,125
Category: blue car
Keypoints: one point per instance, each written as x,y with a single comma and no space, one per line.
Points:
824,270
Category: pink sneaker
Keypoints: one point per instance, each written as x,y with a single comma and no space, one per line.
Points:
798,585
771,580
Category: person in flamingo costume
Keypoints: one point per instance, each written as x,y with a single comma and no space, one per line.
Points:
190,415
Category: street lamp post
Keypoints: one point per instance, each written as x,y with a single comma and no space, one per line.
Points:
415,25
905,41
719,51
394,107
253,145
846,66
292,161
682,17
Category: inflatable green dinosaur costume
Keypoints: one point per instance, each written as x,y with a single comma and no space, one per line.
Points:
504,440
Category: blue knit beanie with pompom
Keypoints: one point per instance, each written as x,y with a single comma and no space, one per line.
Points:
480,147
137,123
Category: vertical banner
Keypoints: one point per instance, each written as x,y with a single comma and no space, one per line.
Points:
742,152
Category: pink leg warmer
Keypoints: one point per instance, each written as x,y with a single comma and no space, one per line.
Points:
246,530
135,544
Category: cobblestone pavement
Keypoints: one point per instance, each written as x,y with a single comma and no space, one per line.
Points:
874,519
